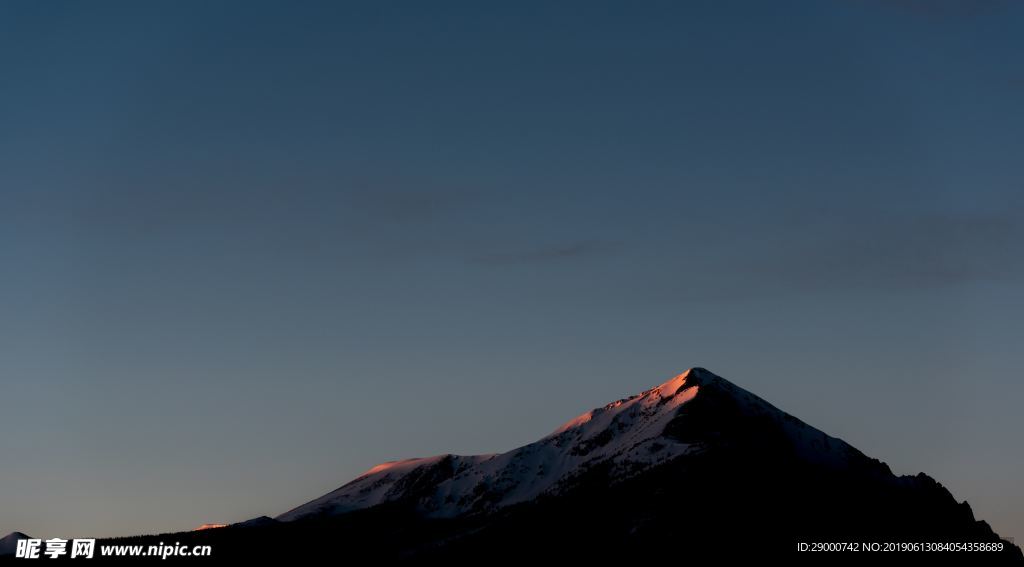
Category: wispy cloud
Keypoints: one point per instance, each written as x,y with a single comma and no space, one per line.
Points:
930,250
891,253
407,206
914,251
550,254
945,9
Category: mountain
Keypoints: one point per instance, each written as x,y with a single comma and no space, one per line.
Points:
696,468
627,437
697,462
9,543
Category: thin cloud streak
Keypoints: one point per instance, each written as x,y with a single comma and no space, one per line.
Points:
548,255
901,253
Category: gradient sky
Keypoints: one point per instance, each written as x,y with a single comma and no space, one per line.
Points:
250,249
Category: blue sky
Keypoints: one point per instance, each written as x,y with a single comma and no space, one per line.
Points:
251,249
